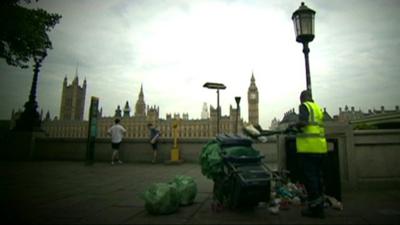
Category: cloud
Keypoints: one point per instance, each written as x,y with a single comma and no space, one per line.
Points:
174,47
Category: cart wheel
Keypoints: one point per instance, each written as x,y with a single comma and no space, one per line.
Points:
219,207
216,206
213,207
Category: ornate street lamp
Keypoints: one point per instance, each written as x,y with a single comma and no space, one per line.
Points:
237,99
217,86
30,118
303,19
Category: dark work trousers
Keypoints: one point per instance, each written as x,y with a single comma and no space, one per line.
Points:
312,171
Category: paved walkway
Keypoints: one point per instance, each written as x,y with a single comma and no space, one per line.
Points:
71,193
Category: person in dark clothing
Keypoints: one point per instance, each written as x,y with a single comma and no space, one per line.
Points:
312,149
154,136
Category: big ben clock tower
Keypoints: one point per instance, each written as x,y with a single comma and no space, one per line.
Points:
252,98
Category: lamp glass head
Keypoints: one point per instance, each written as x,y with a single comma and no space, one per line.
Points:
303,21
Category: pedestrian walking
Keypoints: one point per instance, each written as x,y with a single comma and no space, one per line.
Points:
116,132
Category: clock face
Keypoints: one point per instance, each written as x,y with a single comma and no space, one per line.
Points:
253,96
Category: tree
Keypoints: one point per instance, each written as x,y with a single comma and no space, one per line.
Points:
23,37
23,32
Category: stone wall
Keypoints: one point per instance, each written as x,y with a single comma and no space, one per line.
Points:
368,158
377,157
131,150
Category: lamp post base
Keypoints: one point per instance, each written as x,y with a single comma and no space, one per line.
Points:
20,145
29,119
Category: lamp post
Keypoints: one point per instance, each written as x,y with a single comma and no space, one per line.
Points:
30,118
217,86
237,99
303,19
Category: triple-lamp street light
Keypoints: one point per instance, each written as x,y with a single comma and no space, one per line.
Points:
303,19
217,86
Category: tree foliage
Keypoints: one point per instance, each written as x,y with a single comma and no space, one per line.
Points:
23,32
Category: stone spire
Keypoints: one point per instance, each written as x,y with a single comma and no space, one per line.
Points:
140,107
253,86
118,112
127,110
65,83
204,112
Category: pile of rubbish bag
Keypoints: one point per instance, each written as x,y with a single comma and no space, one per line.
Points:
211,157
165,198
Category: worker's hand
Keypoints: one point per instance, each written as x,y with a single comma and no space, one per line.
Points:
292,128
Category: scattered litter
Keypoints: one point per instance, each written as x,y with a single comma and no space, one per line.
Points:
285,194
333,202
274,210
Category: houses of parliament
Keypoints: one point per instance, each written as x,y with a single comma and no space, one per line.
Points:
70,124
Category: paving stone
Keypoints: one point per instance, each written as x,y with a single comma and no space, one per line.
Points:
111,215
72,193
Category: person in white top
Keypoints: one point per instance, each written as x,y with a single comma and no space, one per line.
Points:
116,132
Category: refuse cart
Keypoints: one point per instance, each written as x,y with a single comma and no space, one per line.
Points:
245,180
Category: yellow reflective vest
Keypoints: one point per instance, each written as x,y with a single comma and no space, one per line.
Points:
312,139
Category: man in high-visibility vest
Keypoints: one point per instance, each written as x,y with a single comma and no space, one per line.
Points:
311,148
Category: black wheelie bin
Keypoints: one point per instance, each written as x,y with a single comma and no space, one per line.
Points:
245,181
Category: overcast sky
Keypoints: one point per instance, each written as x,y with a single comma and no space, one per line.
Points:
173,47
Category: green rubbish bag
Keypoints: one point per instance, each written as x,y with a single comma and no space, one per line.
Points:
187,189
161,198
211,160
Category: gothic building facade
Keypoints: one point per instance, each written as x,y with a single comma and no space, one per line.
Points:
73,100
350,114
136,122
